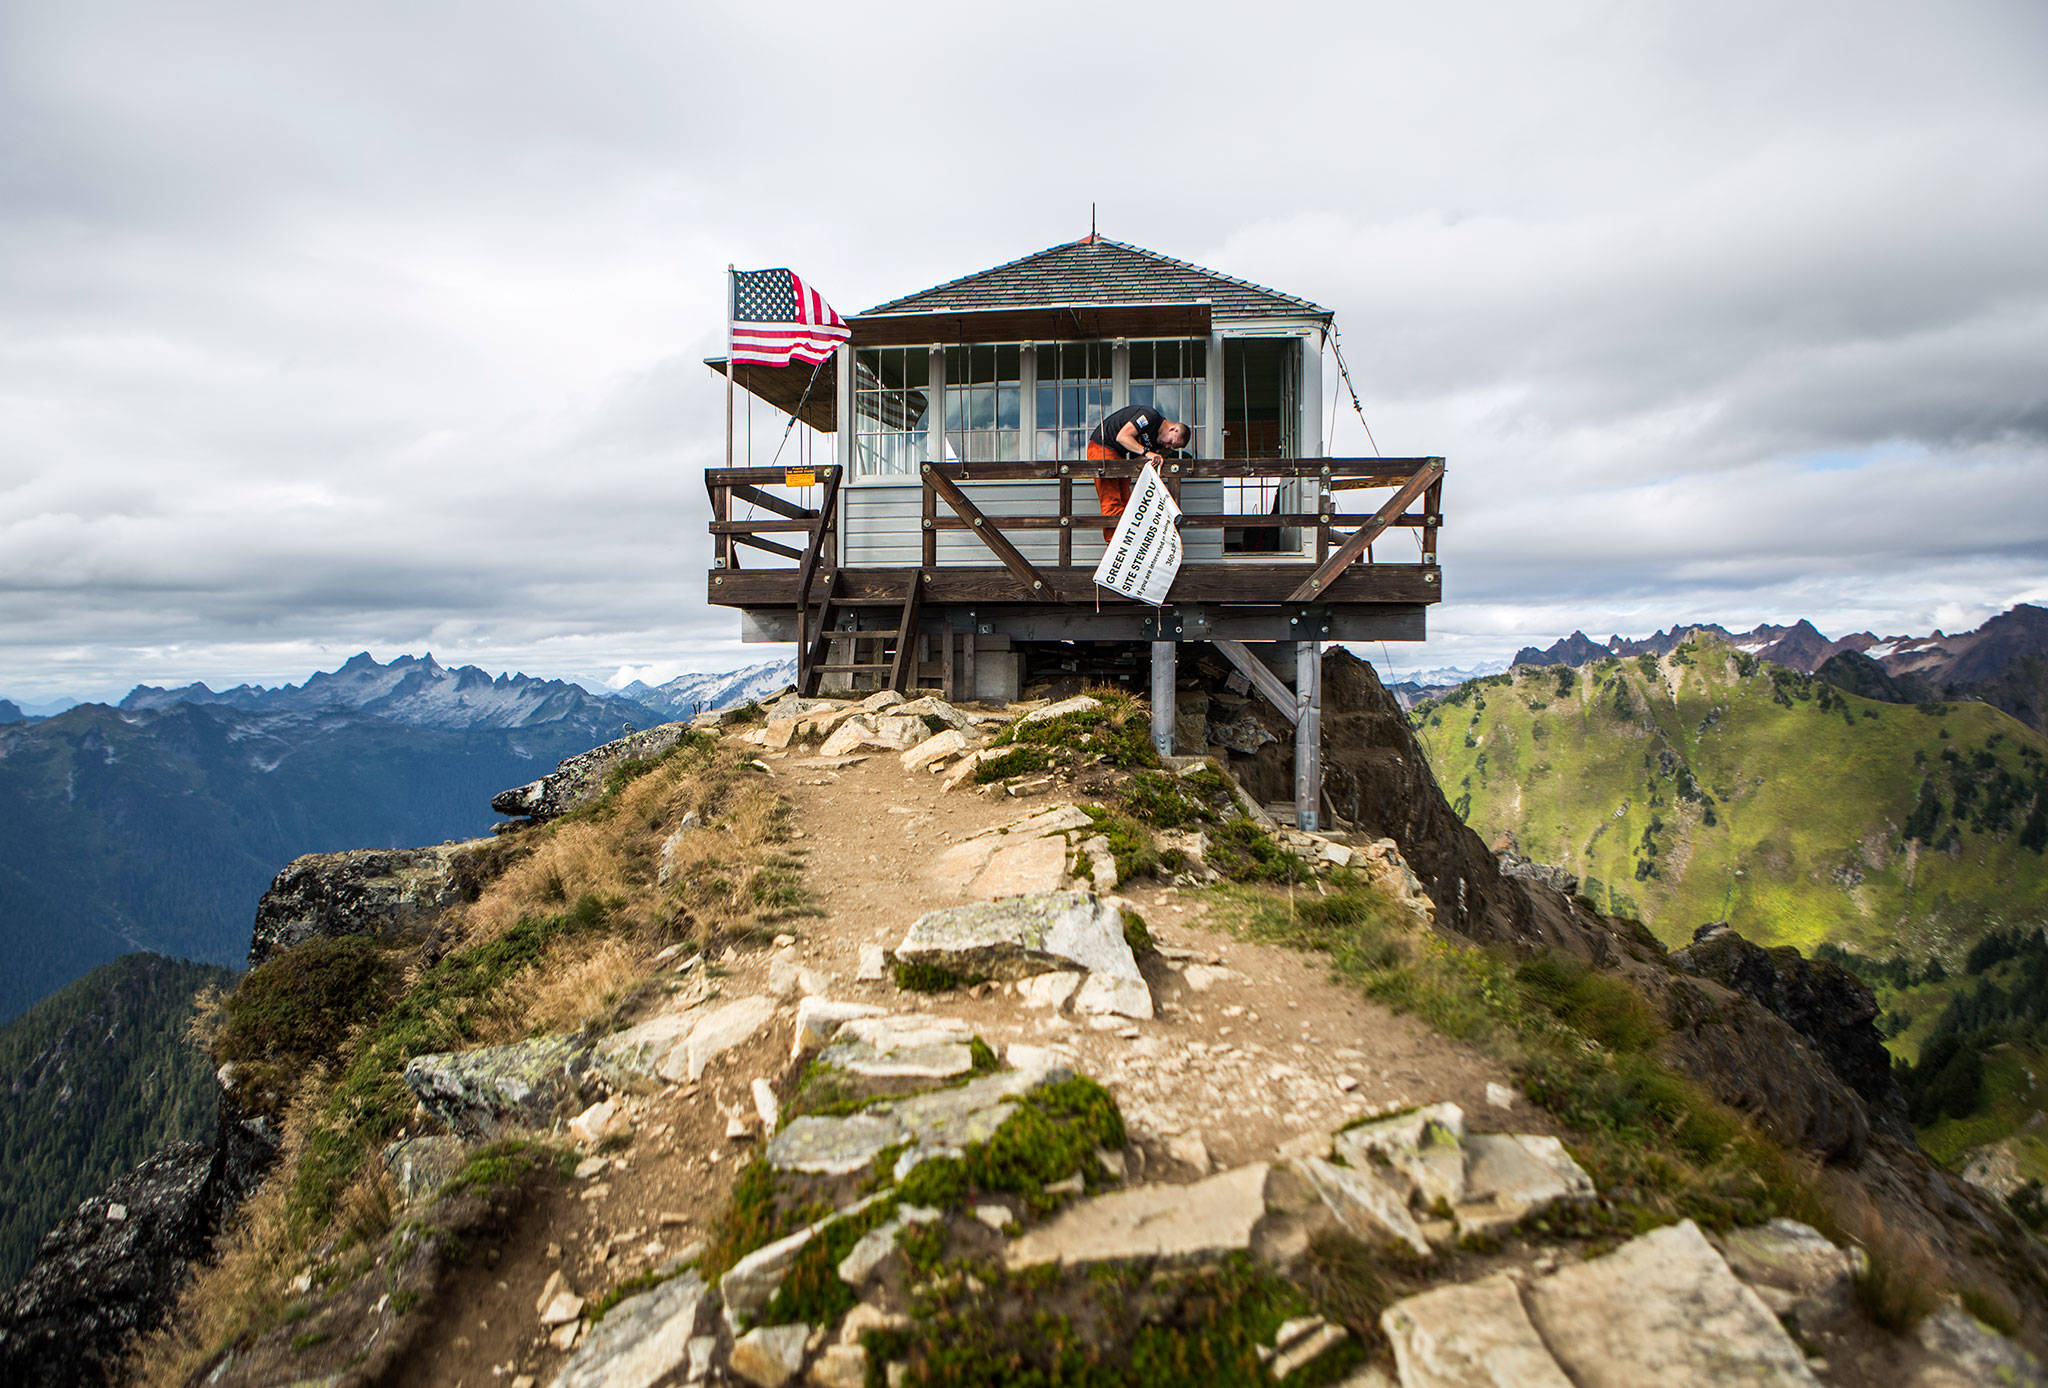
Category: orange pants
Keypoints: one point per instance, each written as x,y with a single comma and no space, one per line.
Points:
1114,493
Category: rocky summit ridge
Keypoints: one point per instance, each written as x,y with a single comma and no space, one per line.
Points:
851,1041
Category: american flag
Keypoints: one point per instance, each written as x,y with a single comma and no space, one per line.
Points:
777,319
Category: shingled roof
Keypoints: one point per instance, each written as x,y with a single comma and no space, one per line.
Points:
1097,270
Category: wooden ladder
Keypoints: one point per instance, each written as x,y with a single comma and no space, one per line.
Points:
893,651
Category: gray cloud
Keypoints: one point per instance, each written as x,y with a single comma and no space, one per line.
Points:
324,329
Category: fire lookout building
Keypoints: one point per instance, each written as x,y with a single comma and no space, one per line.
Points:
952,540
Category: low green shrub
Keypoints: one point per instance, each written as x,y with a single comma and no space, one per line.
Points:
1243,852
297,1008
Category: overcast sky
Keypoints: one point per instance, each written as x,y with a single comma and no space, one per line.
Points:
333,327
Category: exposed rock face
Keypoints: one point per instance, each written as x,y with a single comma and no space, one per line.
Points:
393,894
1549,874
1828,1005
499,1089
580,779
110,1270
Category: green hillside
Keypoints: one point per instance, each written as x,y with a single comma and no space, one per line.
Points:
93,1079
1709,785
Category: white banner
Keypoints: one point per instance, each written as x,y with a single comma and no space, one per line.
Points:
1144,551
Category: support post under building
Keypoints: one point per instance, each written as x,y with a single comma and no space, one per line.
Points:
1162,696
1308,733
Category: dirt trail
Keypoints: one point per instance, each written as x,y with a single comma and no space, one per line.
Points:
1266,1051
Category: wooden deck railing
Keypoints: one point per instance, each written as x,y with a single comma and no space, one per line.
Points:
1342,538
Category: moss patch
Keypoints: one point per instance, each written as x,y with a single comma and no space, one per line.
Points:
1107,1325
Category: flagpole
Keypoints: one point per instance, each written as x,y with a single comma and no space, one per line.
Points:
729,282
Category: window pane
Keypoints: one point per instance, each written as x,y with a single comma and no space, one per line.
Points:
1007,407
984,366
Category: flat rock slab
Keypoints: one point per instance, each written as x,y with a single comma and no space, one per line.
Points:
1209,1217
1665,1309
909,1046
1080,703
500,1089
642,1341
941,1119
1024,935
676,1046
818,1020
1470,1335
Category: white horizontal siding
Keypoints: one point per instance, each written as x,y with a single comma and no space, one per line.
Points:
884,525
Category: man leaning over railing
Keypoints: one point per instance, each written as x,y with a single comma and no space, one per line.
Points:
1135,431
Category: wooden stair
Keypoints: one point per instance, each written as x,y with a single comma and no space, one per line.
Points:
891,654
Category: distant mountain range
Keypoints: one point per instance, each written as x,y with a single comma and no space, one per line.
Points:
2003,662
157,824
688,695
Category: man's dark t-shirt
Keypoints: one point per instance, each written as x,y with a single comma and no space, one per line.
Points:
1147,418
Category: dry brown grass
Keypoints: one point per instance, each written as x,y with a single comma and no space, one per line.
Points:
245,1284
581,980
727,878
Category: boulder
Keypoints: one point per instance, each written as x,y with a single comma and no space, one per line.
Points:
1793,1267
1662,1308
932,707
770,1355
395,895
97,1280
581,779
1513,864
642,1341
882,732
497,1090
949,743
1469,1335
675,1046
1509,1176
840,1366
1971,1352
818,1020
1424,1146
1369,1208
1023,935
1208,1218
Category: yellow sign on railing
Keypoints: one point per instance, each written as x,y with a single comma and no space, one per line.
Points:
800,477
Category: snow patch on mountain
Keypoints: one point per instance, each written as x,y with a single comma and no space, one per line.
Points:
689,694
